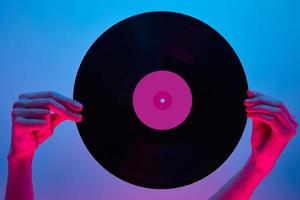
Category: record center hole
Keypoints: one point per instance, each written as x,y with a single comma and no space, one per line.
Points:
162,100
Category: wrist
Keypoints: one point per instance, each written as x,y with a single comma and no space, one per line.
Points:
14,156
256,167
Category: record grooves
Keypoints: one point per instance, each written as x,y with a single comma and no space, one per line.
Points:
163,138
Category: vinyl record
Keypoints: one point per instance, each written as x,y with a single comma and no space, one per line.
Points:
163,100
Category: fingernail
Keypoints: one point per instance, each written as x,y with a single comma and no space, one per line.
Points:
80,118
78,103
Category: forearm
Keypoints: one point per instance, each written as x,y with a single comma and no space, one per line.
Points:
19,183
243,184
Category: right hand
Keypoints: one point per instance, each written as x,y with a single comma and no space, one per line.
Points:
273,127
35,116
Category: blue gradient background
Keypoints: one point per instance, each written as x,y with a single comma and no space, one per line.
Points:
43,42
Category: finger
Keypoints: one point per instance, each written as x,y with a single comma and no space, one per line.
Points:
68,102
57,119
270,120
47,132
32,124
31,112
252,93
51,104
270,110
263,99
40,128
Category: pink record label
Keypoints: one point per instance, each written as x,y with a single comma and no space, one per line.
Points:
162,100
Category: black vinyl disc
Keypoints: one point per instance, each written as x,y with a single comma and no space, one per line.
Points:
108,77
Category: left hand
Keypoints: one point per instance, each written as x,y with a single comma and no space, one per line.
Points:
34,118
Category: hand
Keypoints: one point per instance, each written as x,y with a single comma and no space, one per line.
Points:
34,117
273,127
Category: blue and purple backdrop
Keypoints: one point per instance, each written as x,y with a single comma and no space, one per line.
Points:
43,42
